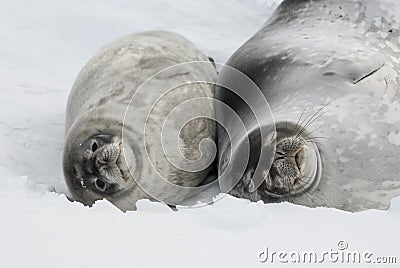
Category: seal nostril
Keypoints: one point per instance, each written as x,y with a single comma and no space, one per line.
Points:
94,146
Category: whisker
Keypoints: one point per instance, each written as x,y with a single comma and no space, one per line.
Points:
298,121
286,125
310,120
312,138
313,131
307,193
314,142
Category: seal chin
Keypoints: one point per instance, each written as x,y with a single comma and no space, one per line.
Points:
296,168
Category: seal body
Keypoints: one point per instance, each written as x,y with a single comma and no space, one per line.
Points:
330,73
116,112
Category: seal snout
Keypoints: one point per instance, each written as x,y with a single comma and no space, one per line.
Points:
105,161
296,167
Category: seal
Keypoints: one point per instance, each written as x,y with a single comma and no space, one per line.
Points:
329,71
116,122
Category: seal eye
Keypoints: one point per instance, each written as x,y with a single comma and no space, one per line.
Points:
100,185
94,146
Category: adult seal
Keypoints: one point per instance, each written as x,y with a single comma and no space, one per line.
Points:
330,73
124,113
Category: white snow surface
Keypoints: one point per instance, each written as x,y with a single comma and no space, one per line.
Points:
43,45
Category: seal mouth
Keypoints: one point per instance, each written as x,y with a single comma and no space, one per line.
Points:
296,168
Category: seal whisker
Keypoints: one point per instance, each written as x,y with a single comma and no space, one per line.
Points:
286,125
313,118
313,140
298,124
307,135
306,192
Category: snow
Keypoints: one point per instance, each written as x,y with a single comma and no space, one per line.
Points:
43,46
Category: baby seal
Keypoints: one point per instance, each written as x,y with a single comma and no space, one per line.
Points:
117,122
330,72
